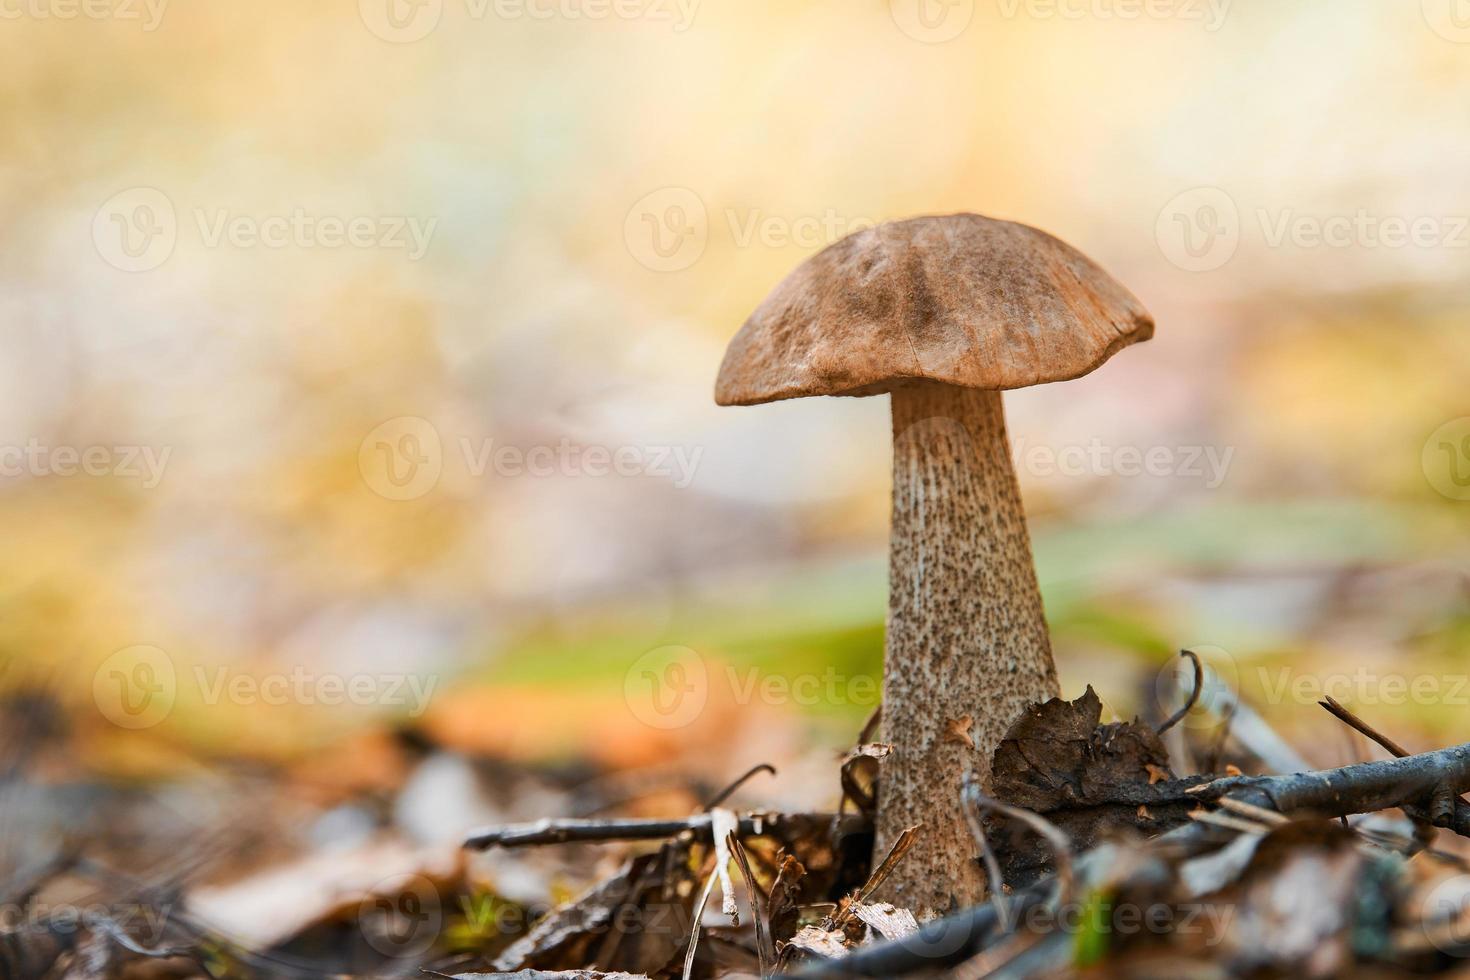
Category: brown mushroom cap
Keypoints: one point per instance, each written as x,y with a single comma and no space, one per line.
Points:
961,299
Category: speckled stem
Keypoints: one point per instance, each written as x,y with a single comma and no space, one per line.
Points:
966,634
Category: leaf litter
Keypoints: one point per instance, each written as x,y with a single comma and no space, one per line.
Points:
1101,857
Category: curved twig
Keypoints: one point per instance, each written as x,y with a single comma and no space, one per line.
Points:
739,781
970,797
1199,684
991,959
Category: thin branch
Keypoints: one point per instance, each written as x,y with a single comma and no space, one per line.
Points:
1218,819
991,960
739,781
1199,684
1056,839
969,794
1345,716
1362,788
1257,813
700,825
1445,809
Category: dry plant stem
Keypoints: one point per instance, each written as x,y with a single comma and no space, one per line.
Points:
734,786
966,633
1199,683
759,907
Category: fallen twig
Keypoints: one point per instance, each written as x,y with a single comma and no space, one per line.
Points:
569,831
1361,788
1336,709
1446,809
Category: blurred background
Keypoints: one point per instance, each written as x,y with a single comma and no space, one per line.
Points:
357,367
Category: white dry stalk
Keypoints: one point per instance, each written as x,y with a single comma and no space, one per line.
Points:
725,823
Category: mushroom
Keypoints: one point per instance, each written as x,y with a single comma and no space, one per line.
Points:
943,313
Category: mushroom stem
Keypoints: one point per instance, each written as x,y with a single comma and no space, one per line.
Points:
966,634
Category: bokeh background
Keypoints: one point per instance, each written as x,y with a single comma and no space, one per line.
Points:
320,263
